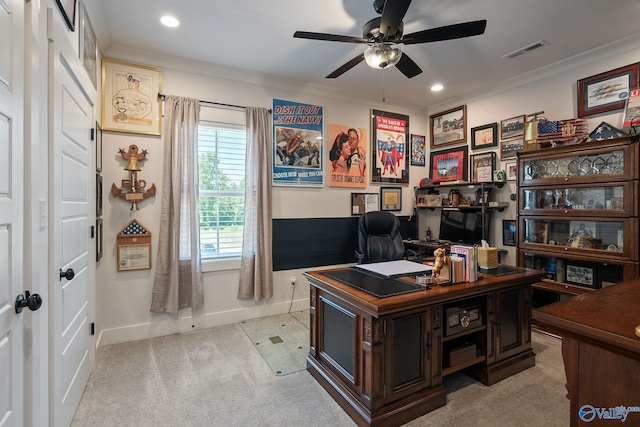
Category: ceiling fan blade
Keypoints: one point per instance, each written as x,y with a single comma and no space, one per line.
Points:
346,67
407,66
392,16
328,37
448,32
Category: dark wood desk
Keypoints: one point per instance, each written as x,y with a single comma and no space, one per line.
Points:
600,350
383,359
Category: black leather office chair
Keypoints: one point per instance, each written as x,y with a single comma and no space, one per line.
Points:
379,238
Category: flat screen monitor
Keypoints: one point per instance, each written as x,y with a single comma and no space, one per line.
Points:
463,226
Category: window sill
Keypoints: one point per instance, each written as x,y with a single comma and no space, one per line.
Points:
220,264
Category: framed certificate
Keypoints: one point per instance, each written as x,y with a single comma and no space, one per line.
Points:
134,257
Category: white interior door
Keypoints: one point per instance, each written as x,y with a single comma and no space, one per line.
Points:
11,212
70,311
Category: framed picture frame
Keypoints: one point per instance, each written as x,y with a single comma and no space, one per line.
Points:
509,232
512,127
508,149
68,10
98,194
631,116
449,165
418,150
88,46
361,203
482,167
511,168
449,127
581,274
130,101
98,148
390,199
134,257
484,136
389,145
607,91
99,231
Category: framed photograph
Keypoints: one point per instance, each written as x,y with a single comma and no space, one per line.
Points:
632,109
482,167
389,144
580,274
68,10
390,199
98,239
508,149
512,128
606,91
484,136
361,203
418,148
98,148
130,100
449,127
88,46
512,170
98,194
509,232
449,165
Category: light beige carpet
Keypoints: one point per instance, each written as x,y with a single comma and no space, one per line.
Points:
281,340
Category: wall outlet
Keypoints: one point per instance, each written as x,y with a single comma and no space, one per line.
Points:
293,280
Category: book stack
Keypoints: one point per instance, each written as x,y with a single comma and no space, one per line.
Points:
465,258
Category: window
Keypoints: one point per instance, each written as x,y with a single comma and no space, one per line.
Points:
221,160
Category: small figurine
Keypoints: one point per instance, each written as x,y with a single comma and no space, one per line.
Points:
427,235
441,262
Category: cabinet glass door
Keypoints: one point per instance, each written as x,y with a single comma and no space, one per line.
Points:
576,200
595,164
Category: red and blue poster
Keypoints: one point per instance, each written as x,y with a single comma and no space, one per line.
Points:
297,144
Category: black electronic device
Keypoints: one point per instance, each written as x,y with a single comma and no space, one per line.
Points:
463,226
462,317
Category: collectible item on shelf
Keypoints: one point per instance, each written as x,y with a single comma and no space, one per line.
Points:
605,131
133,190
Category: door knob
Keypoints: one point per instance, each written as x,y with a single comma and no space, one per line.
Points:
32,301
69,274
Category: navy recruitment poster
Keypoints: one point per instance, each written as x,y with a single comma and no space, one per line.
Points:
297,144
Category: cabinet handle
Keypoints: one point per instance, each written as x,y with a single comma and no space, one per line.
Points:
566,212
566,179
566,249
428,343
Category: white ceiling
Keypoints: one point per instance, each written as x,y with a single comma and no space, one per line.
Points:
257,35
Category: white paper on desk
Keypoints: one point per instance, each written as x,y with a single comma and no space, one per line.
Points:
395,268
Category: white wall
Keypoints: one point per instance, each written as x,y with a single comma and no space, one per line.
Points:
124,297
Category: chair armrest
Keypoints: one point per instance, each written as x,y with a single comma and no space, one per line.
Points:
359,256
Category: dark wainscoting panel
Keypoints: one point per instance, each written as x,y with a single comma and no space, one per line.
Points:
316,242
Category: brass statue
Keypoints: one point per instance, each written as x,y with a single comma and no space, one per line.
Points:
133,189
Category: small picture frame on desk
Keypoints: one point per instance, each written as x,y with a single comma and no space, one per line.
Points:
390,199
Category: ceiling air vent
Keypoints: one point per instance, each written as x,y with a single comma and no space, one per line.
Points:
526,49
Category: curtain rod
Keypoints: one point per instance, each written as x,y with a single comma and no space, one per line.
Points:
162,96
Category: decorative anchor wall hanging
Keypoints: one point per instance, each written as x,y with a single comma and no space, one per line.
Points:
133,190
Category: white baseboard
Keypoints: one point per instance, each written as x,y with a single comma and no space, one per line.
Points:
169,324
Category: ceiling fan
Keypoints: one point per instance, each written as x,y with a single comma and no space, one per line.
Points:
385,31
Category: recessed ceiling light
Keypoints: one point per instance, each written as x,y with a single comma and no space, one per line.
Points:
169,21
437,87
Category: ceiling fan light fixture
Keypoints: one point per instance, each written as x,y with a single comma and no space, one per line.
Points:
382,55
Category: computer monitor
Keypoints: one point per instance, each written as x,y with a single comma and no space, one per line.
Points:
463,226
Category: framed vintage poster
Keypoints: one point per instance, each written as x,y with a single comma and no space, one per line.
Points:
130,101
68,10
347,156
390,199
298,151
449,127
449,165
508,149
361,203
512,127
418,150
484,136
389,144
631,116
606,91
88,46
482,167
512,170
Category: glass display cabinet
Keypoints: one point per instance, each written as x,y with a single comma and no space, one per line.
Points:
577,219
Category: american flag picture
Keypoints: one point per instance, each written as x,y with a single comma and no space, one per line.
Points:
571,131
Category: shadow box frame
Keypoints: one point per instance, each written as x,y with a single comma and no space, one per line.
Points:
439,159
475,166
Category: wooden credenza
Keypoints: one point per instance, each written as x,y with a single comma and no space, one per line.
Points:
382,358
601,352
